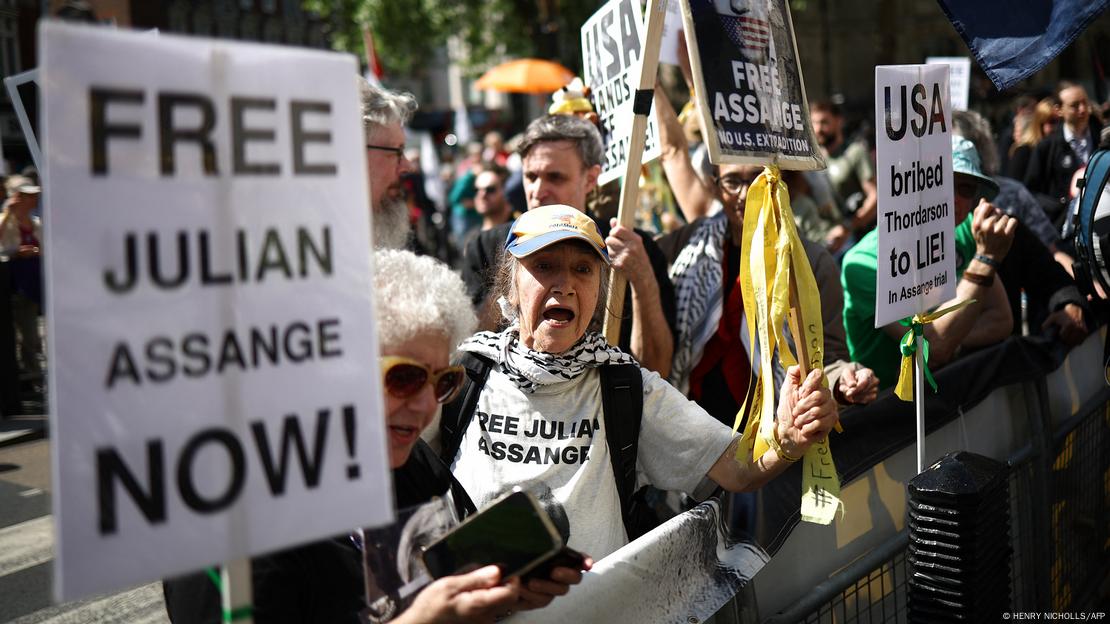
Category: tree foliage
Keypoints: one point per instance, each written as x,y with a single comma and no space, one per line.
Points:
407,33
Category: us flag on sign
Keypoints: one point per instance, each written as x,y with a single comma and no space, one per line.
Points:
747,30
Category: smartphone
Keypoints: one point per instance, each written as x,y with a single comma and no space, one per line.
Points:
513,533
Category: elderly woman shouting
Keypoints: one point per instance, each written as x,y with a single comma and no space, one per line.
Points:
423,311
538,419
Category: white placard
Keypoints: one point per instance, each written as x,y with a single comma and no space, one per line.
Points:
214,375
672,32
748,83
917,249
959,78
612,43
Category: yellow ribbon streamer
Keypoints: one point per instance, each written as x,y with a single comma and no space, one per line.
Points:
908,347
770,232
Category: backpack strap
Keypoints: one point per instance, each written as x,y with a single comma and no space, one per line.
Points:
457,414
622,404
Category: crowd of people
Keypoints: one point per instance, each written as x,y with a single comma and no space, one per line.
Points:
537,398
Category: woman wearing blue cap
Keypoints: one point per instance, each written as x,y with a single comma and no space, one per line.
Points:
539,421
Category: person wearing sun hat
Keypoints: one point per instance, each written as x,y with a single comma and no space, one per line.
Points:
538,421
983,235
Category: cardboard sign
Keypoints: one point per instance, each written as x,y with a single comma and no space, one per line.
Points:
959,78
916,218
612,42
214,374
672,32
748,83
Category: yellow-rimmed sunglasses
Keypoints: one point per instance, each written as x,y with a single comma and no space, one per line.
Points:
403,377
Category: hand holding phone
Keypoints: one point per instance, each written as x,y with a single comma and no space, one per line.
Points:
513,533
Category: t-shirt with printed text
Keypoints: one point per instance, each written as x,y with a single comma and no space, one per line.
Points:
552,443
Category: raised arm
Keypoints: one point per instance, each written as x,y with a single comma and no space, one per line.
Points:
694,197
988,320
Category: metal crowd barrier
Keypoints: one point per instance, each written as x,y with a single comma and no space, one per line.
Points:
1054,433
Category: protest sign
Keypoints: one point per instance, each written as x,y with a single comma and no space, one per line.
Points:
917,253
672,31
684,570
13,84
613,40
959,78
215,389
748,82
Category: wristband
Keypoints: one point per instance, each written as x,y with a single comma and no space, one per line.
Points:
987,260
773,442
986,281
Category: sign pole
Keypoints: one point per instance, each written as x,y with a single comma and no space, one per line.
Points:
919,399
235,591
630,188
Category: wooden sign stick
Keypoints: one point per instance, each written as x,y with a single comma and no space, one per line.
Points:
630,187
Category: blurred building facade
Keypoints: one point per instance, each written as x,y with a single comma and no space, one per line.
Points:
271,21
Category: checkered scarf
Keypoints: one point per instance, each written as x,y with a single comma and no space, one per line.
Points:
530,369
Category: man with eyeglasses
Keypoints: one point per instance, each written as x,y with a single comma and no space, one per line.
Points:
712,362
982,241
384,115
561,160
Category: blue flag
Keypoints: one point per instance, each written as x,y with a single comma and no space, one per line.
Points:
1013,40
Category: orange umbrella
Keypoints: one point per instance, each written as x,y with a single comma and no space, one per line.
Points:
527,75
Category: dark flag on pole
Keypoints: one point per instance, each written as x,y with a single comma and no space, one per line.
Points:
1012,44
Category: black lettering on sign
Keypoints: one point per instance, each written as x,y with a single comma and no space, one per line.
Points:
100,129
613,68
925,119
145,486
169,135
276,472
254,260
297,110
186,485
310,123
151,500
630,38
240,134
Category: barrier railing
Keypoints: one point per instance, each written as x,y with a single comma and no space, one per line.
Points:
1051,425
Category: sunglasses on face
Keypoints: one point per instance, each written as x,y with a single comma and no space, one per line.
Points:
404,377
488,190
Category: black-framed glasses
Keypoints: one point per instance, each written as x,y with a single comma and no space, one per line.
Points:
490,190
734,184
399,152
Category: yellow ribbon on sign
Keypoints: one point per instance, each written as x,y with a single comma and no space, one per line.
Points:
908,347
776,259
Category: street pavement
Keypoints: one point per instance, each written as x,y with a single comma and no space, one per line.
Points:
27,544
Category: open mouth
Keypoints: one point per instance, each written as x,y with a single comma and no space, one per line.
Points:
403,433
558,315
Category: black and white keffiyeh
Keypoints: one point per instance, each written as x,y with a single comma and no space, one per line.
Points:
530,369
699,299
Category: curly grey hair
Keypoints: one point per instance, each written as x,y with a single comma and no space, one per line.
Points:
380,106
582,133
975,128
417,295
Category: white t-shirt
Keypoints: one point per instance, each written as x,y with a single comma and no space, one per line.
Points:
552,443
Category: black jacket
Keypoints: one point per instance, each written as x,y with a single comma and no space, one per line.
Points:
1051,166
317,582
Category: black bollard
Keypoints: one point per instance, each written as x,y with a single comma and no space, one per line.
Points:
959,551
